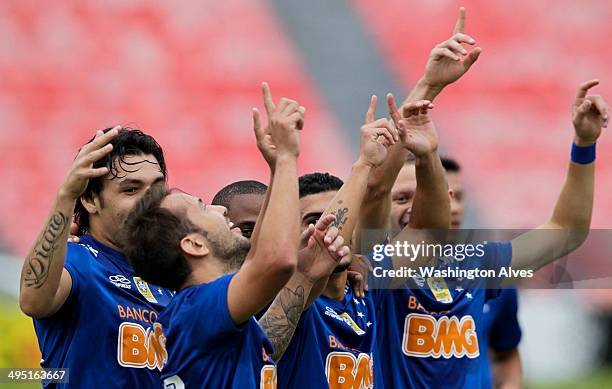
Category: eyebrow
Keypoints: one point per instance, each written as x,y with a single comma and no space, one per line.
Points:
132,181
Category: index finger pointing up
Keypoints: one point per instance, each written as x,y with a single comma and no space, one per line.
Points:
393,111
371,113
584,88
267,96
460,25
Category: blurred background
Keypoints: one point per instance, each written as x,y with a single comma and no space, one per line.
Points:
189,73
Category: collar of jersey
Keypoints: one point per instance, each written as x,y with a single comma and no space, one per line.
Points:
336,305
110,254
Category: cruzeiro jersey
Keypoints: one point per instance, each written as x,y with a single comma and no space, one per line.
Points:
103,333
333,346
206,349
428,332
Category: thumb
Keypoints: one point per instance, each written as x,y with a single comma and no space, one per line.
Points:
472,57
585,107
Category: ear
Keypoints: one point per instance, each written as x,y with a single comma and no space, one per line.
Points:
194,245
91,204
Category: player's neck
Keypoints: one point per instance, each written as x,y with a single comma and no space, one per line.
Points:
102,237
206,270
336,285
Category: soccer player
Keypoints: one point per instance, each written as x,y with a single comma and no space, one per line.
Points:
334,343
429,334
222,280
334,340
92,314
499,334
243,200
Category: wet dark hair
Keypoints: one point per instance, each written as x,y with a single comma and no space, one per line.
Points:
225,196
128,142
314,183
151,240
450,165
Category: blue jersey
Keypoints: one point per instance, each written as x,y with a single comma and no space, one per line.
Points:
428,332
333,346
103,332
501,330
206,349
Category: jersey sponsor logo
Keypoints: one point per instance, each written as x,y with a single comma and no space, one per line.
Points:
268,377
345,317
120,281
144,289
415,305
141,314
141,348
448,337
344,370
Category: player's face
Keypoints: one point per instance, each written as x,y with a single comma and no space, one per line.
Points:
224,239
243,211
311,209
121,191
457,201
402,195
313,206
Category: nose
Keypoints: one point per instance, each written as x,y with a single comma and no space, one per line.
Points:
220,209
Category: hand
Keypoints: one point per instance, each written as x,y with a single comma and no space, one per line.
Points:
376,137
73,236
322,249
82,169
283,122
589,114
358,274
445,64
417,131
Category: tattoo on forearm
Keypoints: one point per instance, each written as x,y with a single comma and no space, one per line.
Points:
38,265
282,317
341,218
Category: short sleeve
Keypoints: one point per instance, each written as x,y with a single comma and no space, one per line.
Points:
505,333
78,264
207,303
498,255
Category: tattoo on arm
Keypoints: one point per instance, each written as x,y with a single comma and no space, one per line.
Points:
341,218
281,319
40,262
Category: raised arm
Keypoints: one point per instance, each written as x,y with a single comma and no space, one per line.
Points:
269,267
431,206
447,62
45,284
267,149
569,225
314,264
374,212
375,139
